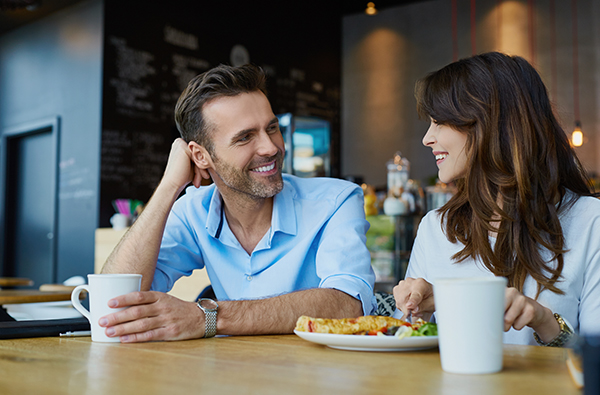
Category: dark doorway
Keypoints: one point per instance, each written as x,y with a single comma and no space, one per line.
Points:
29,204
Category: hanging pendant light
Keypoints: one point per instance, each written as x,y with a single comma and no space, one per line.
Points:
577,135
371,10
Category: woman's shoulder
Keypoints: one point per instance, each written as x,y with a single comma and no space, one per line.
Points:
431,224
577,206
589,201
432,218
580,216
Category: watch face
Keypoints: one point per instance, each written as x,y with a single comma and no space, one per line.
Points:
208,304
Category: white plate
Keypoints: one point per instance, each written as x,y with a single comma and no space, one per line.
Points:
370,343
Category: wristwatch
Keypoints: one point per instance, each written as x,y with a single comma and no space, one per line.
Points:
565,335
209,307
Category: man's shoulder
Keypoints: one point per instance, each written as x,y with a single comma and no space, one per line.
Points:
319,188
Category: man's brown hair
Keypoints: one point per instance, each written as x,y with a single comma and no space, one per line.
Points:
218,82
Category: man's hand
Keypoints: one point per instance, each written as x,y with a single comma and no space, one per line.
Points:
414,297
158,316
180,170
522,311
153,316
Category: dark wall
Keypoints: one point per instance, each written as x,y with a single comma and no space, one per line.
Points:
152,49
112,71
53,68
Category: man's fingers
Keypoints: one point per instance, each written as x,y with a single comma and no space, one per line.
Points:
142,337
138,304
122,317
137,319
133,299
145,329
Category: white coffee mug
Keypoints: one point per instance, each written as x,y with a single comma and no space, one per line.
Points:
470,317
101,288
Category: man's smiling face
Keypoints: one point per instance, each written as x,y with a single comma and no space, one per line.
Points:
248,147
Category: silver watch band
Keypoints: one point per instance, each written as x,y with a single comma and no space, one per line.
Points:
210,323
210,316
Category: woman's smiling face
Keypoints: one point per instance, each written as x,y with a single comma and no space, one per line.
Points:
449,148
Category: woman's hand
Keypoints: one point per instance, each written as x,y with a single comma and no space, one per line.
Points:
414,297
522,311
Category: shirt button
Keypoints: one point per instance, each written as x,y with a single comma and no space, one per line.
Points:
249,278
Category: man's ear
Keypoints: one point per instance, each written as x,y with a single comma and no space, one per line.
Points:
201,158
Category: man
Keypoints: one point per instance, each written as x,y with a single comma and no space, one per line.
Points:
275,247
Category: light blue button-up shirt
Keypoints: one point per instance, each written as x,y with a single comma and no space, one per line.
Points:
317,239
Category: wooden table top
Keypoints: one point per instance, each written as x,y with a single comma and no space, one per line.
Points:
15,282
261,364
17,296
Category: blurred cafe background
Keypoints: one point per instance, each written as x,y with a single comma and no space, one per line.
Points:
87,90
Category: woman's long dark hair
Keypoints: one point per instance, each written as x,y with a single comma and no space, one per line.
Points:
519,166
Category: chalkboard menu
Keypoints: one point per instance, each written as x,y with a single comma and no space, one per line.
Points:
151,53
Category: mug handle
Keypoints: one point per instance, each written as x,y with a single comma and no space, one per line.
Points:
77,304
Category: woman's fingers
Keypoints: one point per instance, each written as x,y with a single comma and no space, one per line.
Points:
414,296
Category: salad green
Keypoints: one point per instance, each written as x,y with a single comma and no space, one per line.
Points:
427,329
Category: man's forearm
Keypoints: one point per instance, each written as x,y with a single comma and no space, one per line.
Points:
137,251
279,314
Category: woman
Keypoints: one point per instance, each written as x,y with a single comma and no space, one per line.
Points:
523,210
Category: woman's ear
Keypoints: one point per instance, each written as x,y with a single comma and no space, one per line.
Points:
201,159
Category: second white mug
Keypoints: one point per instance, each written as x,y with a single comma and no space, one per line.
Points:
470,317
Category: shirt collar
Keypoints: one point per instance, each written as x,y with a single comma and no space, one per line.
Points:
284,211
215,214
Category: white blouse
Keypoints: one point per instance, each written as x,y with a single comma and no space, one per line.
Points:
580,305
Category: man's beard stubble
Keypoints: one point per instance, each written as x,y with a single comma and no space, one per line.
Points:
243,182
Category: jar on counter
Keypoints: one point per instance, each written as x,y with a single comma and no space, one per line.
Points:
398,169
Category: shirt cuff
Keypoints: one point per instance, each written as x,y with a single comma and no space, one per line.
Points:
355,287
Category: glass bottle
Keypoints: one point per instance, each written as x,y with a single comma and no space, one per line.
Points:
398,169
